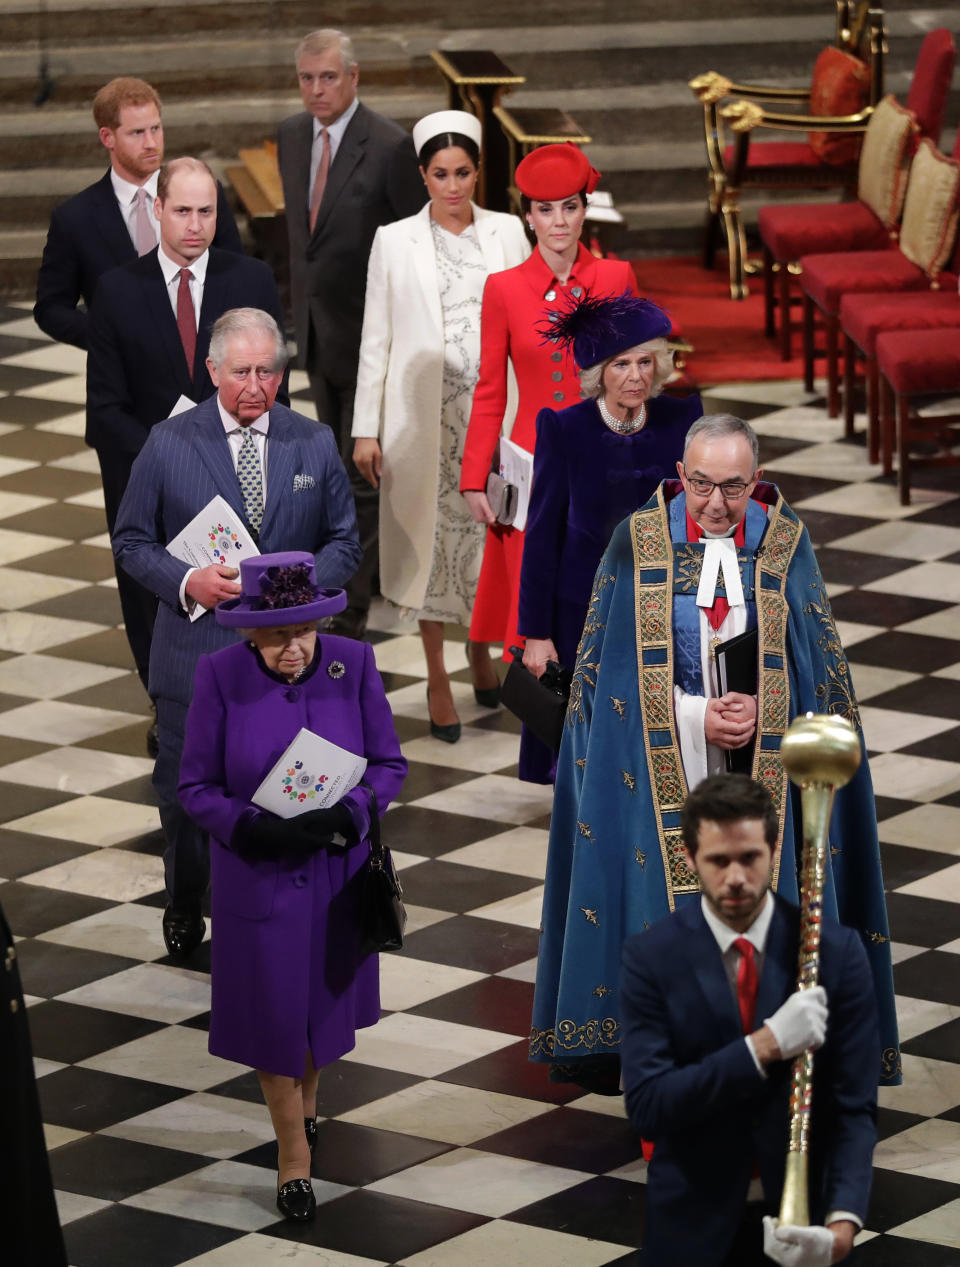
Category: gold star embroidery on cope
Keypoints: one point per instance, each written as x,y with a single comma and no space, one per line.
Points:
629,780
591,916
619,706
877,938
581,762
834,851
584,830
641,857
601,990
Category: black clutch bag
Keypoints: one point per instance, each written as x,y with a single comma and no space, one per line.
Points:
737,671
383,916
540,703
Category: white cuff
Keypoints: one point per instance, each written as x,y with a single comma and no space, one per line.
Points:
756,1060
841,1216
189,605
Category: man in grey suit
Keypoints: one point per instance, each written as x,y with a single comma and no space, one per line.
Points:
282,477
346,171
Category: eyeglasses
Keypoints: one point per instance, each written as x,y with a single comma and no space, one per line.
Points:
730,491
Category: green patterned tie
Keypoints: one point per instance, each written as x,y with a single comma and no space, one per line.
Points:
251,484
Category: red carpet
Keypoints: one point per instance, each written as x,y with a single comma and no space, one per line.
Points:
727,336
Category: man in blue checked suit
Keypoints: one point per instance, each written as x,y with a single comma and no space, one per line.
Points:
282,475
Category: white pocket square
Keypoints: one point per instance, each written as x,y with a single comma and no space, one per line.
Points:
302,481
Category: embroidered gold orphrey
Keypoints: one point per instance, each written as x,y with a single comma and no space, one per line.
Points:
653,553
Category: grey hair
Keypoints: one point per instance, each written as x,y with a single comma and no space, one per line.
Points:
243,321
322,41
711,425
591,379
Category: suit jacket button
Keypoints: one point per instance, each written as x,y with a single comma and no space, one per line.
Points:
299,881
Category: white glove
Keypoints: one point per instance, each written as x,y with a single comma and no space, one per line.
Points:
801,1022
797,1246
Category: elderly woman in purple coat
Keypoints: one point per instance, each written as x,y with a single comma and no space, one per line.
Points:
290,983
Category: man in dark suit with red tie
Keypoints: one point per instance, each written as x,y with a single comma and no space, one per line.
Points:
112,221
711,1021
346,171
148,340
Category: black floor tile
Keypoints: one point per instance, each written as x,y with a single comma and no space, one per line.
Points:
62,520
422,779
356,1155
945,513
897,1198
109,647
112,1169
797,488
201,1021
824,526
502,721
432,833
18,800
511,1071
932,975
22,853
929,696
574,1138
246,1086
54,481
894,649
394,681
482,945
888,806
345,1085
903,864
47,969
122,1235
942,1043
373,1225
34,908
82,563
450,886
943,747
137,792
129,740
602,1209
17,378
493,1003
12,747
892,1122
853,567
923,921
69,1033
410,728
26,412
897,1251
88,1100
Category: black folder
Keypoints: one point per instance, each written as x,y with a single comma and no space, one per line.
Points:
737,671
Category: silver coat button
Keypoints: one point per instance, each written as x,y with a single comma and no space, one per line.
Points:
558,396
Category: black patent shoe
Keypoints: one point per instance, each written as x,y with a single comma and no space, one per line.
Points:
182,931
310,1130
447,734
295,1200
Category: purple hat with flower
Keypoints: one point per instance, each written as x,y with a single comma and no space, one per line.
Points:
601,327
279,589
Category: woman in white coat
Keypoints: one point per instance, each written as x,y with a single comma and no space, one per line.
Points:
419,361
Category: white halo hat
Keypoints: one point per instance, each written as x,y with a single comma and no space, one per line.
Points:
441,121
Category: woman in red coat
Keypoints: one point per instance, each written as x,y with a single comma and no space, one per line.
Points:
554,181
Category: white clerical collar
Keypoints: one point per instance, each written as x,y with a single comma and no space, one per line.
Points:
230,424
125,191
756,934
339,126
720,555
171,269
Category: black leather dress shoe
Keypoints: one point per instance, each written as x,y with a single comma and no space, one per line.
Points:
182,931
153,740
310,1130
296,1202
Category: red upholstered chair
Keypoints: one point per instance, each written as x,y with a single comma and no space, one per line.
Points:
788,232
847,82
930,217
917,368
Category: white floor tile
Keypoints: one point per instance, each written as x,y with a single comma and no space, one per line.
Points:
257,1250
93,499
423,1046
80,770
174,1057
943,885
74,424
73,1205
57,1136
914,778
838,461
929,1086
873,679
526,971
19,503
523,909
851,632
15,546
941,624
934,827
211,1125
19,588
29,631
493,796
446,1112
157,992
927,580
128,929
931,1149
500,1244
406,982
115,874
12,466
919,542
69,387
520,851
47,676
935,1227
84,460
93,820
918,1016
482,750
886,729
420,917
871,500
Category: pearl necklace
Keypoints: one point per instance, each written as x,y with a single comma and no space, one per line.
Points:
617,424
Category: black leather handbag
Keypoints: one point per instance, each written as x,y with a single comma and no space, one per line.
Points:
383,916
540,703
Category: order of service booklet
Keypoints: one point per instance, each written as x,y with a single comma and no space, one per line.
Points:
311,773
516,467
216,535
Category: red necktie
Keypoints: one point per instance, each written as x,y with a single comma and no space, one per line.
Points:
320,180
186,319
747,982
716,614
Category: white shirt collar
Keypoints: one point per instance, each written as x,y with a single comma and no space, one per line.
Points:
338,128
756,933
171,269
126,192
230,424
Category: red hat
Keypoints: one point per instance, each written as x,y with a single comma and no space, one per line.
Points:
551,172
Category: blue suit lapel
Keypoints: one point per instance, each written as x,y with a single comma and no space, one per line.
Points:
779,975
282,455
157,302
211,442
108,221
704,964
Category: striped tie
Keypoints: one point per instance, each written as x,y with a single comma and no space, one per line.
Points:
251,483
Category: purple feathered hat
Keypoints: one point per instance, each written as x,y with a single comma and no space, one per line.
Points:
600,327
279,589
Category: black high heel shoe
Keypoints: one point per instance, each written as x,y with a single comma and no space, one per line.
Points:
486,696
295,1200
310,1130
447,734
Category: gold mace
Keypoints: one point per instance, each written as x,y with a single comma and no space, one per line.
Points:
821,752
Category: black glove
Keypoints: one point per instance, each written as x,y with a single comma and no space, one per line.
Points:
323,823
262,837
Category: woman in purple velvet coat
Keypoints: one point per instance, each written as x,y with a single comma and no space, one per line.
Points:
290,984
594,464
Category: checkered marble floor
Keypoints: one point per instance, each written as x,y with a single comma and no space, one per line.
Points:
439,1143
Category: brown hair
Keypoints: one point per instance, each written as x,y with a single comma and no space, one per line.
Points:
169,170
726,798
118,93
